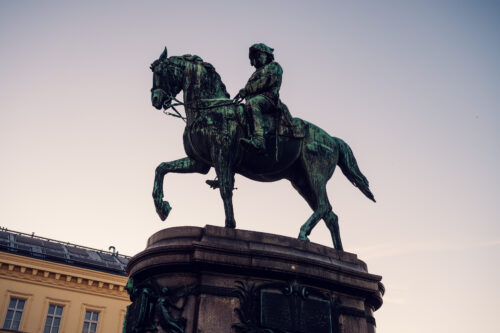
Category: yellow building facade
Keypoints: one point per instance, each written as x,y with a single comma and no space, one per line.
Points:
52,287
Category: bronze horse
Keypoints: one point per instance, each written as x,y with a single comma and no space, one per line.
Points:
215,125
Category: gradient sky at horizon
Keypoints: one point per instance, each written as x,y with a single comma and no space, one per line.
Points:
412,87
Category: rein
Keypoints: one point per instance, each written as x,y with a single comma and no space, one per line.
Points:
177,114
193,105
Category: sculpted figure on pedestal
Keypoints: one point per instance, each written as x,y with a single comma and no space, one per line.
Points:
259,139
152,308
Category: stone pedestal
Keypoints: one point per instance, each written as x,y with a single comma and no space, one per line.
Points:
218,280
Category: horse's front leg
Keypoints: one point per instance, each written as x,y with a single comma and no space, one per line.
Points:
226,183
224,168
183,165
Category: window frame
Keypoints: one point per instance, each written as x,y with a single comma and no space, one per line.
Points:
53,316
5,306
90,321
15,310
54,301
92,308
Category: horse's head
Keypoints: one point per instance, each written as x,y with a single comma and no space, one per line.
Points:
189,72
167,81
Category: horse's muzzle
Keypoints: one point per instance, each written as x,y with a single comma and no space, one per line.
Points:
156,100
159,99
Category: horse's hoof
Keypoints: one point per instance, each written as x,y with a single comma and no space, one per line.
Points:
163,210
303,238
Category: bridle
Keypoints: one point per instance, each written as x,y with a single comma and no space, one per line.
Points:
194,105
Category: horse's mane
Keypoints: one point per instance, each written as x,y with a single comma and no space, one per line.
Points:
211,72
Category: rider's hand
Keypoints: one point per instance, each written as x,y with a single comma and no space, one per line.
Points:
239,96
242,93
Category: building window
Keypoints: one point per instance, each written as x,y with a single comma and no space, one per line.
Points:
54,317
90,322
14,314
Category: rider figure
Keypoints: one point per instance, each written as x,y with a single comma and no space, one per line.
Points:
261,92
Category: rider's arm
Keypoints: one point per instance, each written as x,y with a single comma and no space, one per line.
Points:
269,77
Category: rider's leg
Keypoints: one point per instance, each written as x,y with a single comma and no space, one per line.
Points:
254,114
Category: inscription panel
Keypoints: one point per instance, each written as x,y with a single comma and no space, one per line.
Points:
294,313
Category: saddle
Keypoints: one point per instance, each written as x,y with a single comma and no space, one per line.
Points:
289,126
279,154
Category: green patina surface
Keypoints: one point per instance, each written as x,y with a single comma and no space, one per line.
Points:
253,135
154,307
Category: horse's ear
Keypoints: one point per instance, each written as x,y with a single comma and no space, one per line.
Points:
164,54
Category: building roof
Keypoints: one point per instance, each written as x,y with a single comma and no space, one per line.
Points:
66,253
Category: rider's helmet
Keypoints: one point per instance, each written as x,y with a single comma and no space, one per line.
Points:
261,47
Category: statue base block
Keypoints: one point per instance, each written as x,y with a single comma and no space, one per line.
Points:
220,280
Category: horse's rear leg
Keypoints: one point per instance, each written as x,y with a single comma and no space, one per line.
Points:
314,192
323,211
332,223
311,222
183,165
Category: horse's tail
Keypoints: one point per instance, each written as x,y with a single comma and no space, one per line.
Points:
349,167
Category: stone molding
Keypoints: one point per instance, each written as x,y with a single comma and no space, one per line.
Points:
260,253
21,268
212,262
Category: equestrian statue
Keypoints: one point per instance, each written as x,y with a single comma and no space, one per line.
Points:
258,139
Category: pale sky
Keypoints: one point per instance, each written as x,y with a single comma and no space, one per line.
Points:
412,86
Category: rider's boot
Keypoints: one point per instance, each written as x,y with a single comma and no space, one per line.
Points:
256,143
256,140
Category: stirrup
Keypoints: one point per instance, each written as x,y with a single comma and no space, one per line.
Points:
253,143
215,184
